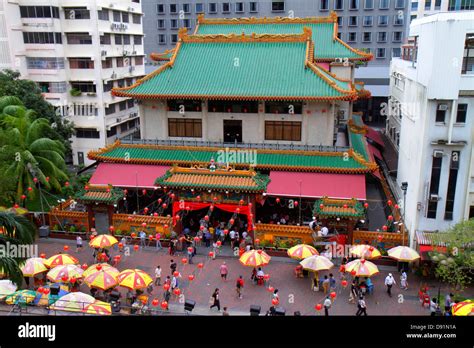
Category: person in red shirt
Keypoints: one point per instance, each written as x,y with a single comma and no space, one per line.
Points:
239,286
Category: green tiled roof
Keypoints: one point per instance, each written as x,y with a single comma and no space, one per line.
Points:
325,47
297,161
357,140
354,209
99,195
235,70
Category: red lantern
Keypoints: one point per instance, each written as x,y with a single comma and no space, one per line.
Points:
384,228
117,257
165,205
111,228
164,304
295,203
371,248
218,243
130,218
30,189
231,221
366,205
397,206
201,227
226,232
200,265
191,277
47,178
211,254
46,291
144,224
259,251
66,247
84,266
133,235
277,200
389,203
98,267
390,218
136,247
333,295
362,261
237,210
40,289
177,291
155,214
198,198
43,255
172,196
214,198
107,190
16,206
23,197
177,217
275,301
86,187
64,278
196,239
145,210
241,202
120,245
35,180
250,205
184,260
353,273
176,273
318,307
165,226
160,200
270,289
190,249
321,206
344,283
166,287
266,276
125,192
66,184
380,237
211,208
206,218
257,241
73,280
144,191
155,302
345,206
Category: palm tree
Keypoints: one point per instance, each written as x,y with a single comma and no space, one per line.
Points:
27,145
16,229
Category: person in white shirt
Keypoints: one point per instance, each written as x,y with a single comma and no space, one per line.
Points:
327,304
158,275
389,281
324,231
260,273
362,307
232,238
78,244
244,235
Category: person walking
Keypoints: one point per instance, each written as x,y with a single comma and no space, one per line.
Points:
190,252
158,275
216,301
434,307
78,243
389,281
448,302
332,282
276,296
142,239
354,294
362,307
225,312
238,286
173,266
158,241
224,271
174,282
404,281
327,304
326,284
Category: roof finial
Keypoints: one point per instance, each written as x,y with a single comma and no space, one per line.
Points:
333,16
200,18
182,32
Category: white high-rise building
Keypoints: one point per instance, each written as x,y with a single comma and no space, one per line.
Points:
77,51
432,121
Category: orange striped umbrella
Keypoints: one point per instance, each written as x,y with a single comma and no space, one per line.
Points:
103,241
103,266
98,308
61,259
69,271
302,251
365,251
463,308
255,258
33,266
103,279
134,279
362,267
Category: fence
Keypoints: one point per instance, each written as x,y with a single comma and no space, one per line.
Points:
268,232
124,224
381,240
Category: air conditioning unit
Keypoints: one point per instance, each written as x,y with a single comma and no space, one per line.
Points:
113,76
131,9
434,198
131,68
103,53
443,107
438,153
111,5
134,52
118,120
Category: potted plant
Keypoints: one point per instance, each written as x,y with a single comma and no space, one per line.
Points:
75,92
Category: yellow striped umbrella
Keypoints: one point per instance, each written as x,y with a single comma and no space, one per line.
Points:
255,258
103,241
316,263
98,308
362,268
302,251
73,302
403,253
70,271
134,279
33,266
463,308
365,251
7,287
103,266
60,259
103,279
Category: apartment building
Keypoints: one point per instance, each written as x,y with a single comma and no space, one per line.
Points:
77,51
431,121
422,8
377,26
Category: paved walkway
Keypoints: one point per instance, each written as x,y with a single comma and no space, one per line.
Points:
295,294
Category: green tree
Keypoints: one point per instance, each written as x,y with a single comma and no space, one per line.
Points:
17,230
30,95
27,150
456,267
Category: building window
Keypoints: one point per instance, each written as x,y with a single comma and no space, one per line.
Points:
137,40
225,7
139,60
187,23
108,86
437,4
125,17
107,63
162,39
160,8
468,56
339,5
126,39
400,4
367,37
434,186
174,38
44,63
136,18
186,8
340,21
103,15
368,21
112,132
53,87
380,53
339,36
189,128
117,16
352,37
89,133
353,5
41,38
396,52
110,109
130,102
84,87
441,110
121,62
278,6
239,7
81,63
324,5
200,7
74,13
383,21
173,8
397,20
382,36
254,6
384,4
283,130
353,21
369,4
453,178
461,113
122,105
414,6
212,7
118,39
283,108
397,36
39,12
161,24
233,106
105,39
78,39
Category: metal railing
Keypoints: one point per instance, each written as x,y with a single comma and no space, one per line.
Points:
257,146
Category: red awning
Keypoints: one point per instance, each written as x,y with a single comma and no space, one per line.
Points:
375,152
127,175
425,249
316,185
375,136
